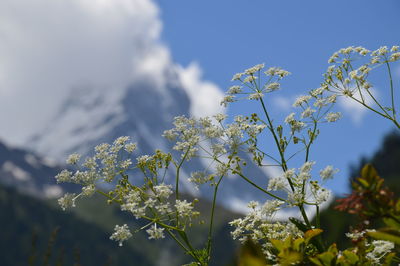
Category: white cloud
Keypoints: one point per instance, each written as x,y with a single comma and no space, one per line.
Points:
48,47
355,110
283,103
200,92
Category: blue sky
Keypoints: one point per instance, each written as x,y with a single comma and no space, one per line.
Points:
226,37
48,47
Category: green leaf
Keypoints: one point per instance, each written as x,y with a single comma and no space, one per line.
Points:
309,234
369,173
363,182
327,258
350,256
278,244
385,236
316,261
392,222
389,259
299,224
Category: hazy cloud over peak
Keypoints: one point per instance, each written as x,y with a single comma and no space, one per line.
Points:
48,47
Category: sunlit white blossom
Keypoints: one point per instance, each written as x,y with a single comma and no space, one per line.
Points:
333,117
73,158
328,172
67,201
121,234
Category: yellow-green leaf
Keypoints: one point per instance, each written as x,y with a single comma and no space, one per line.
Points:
312,233
385,236
350,256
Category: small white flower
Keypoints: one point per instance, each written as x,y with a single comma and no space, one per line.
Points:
256,96
355,235
254,69
273,86
394,57
249,79
277,183
163,191
73,158
220,117
253,204
306,167
271,206
297,126
235,89
227,99
290,118
394,48
322,195
64,176
307,112
183,208
121,141
130,147
333,117
88,190
125,163
381,248
295,198
301,100
67,201
331,98
328,172
121,234
237,76
199,178
142,160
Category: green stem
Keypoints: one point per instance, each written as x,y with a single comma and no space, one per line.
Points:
209,243
271,128
372,109
318,224
311,140
396,123
391,90
284,166
258,187
376,101
178,168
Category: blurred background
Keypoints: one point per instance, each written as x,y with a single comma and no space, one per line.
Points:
77,73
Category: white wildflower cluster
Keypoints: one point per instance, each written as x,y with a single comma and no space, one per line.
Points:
345,78
150,201
314,108
134,203
251,80
328,172
73,158
380,249
295,125
214,139
67,201
299,187
155,232
184,209
121,234
333,117
104,166
258,226
356,235
201,177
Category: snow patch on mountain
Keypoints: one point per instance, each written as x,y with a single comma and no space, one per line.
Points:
18,173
